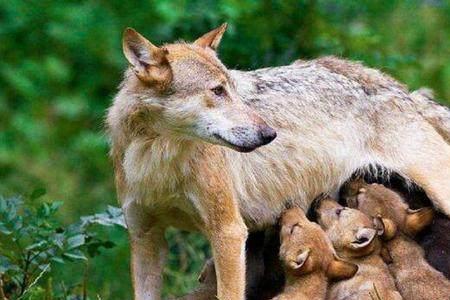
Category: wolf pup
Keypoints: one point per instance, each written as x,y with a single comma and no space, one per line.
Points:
435,240
309,259
414,277
355,238
181,123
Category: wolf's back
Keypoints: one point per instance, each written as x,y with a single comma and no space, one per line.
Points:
436,114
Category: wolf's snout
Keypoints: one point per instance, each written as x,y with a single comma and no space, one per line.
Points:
267,134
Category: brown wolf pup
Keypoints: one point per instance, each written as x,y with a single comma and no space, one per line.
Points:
434,240
414,277
309,259
355,238
181,122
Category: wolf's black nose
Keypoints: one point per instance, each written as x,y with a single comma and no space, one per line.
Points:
267,134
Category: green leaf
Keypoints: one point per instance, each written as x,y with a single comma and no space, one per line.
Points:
58,240
54,206
109,244
4,230
36,245
57,259
114,211
76,241
5,264
76,255
38,193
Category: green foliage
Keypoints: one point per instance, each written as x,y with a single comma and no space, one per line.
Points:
32,240
62,61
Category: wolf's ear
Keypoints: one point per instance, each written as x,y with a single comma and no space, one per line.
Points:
418,219
212,38
148,62
386,228
339,269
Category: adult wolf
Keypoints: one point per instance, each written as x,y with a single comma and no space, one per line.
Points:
180,123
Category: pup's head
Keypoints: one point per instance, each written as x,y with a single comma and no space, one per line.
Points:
378,201
188,92
352,233
350,189
305,248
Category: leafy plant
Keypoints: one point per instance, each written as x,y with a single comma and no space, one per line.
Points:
32,240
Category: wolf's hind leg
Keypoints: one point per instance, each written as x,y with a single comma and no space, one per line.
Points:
431,171
417,151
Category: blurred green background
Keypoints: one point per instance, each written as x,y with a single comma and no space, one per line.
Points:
61,61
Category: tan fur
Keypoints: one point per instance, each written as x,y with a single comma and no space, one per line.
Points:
433,112
414,277
174,136
354,236
371,81
309,258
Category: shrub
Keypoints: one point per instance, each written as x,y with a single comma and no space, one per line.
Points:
32,240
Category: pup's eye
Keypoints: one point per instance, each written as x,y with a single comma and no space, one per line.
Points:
339,211
218,90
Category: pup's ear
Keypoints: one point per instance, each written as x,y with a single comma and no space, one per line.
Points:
148,62
212,38
302,264
418,219
363,238
339,269
386,228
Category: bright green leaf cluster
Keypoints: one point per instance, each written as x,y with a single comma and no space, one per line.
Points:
32,240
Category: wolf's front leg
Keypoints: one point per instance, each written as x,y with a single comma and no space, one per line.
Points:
211,192
148,253
227,234
228,247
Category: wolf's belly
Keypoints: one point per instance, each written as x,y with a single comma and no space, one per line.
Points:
263,198
278,176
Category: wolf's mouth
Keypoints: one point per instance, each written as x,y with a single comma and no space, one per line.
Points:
244,149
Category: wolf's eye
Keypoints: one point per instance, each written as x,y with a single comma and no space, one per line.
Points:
218,90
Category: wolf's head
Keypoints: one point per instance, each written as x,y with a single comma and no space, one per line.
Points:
188,92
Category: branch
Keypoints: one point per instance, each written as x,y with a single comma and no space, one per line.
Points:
2,292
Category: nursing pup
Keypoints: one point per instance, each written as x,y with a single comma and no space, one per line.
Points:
309,259
181,122
355,238
434,239
414,277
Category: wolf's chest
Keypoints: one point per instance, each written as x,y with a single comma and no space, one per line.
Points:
156,172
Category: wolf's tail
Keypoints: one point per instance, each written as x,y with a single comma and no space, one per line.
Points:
436,114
